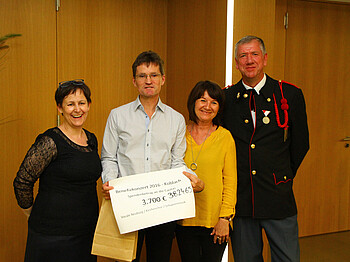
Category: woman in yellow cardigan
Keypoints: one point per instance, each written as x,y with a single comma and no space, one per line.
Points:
211,154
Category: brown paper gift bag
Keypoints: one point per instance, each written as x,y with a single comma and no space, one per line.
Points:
108,242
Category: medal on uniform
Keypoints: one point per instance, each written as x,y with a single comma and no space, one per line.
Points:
266,119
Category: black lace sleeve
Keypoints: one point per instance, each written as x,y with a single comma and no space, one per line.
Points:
38,157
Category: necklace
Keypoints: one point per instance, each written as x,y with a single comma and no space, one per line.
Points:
193,165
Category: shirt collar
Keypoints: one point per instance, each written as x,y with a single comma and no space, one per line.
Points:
258,86
137,104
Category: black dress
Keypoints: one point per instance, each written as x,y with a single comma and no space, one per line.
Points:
65,211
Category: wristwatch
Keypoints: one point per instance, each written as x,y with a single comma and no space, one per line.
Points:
229,219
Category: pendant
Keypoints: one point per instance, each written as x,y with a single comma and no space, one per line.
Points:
193,166
266,120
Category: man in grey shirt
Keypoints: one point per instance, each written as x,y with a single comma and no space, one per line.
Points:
144,136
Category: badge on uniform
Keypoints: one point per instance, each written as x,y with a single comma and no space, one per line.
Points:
266,119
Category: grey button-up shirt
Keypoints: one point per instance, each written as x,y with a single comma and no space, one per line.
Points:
134,144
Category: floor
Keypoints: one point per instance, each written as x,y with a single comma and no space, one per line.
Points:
322,248
328,247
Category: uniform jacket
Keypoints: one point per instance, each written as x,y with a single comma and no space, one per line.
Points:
266,164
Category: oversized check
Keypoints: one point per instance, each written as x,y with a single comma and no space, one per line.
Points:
149,199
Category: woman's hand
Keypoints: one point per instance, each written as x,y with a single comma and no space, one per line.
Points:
221,231
105,190
197,184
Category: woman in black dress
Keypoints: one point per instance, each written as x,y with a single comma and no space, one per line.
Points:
65,159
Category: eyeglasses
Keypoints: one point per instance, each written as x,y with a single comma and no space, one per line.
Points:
76,82
143,77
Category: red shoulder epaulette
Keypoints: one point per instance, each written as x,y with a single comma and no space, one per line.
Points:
289,83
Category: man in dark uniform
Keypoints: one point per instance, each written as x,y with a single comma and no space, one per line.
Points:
267,119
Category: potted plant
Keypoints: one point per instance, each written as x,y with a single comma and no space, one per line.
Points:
4,46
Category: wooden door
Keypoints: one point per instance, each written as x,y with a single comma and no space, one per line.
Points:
317,60
27,104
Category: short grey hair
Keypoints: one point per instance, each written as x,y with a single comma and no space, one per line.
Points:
247,39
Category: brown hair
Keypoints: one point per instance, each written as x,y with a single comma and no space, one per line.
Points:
70,87
214,91
147,58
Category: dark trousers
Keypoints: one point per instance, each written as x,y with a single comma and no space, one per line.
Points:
159,240
197,245
282,234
